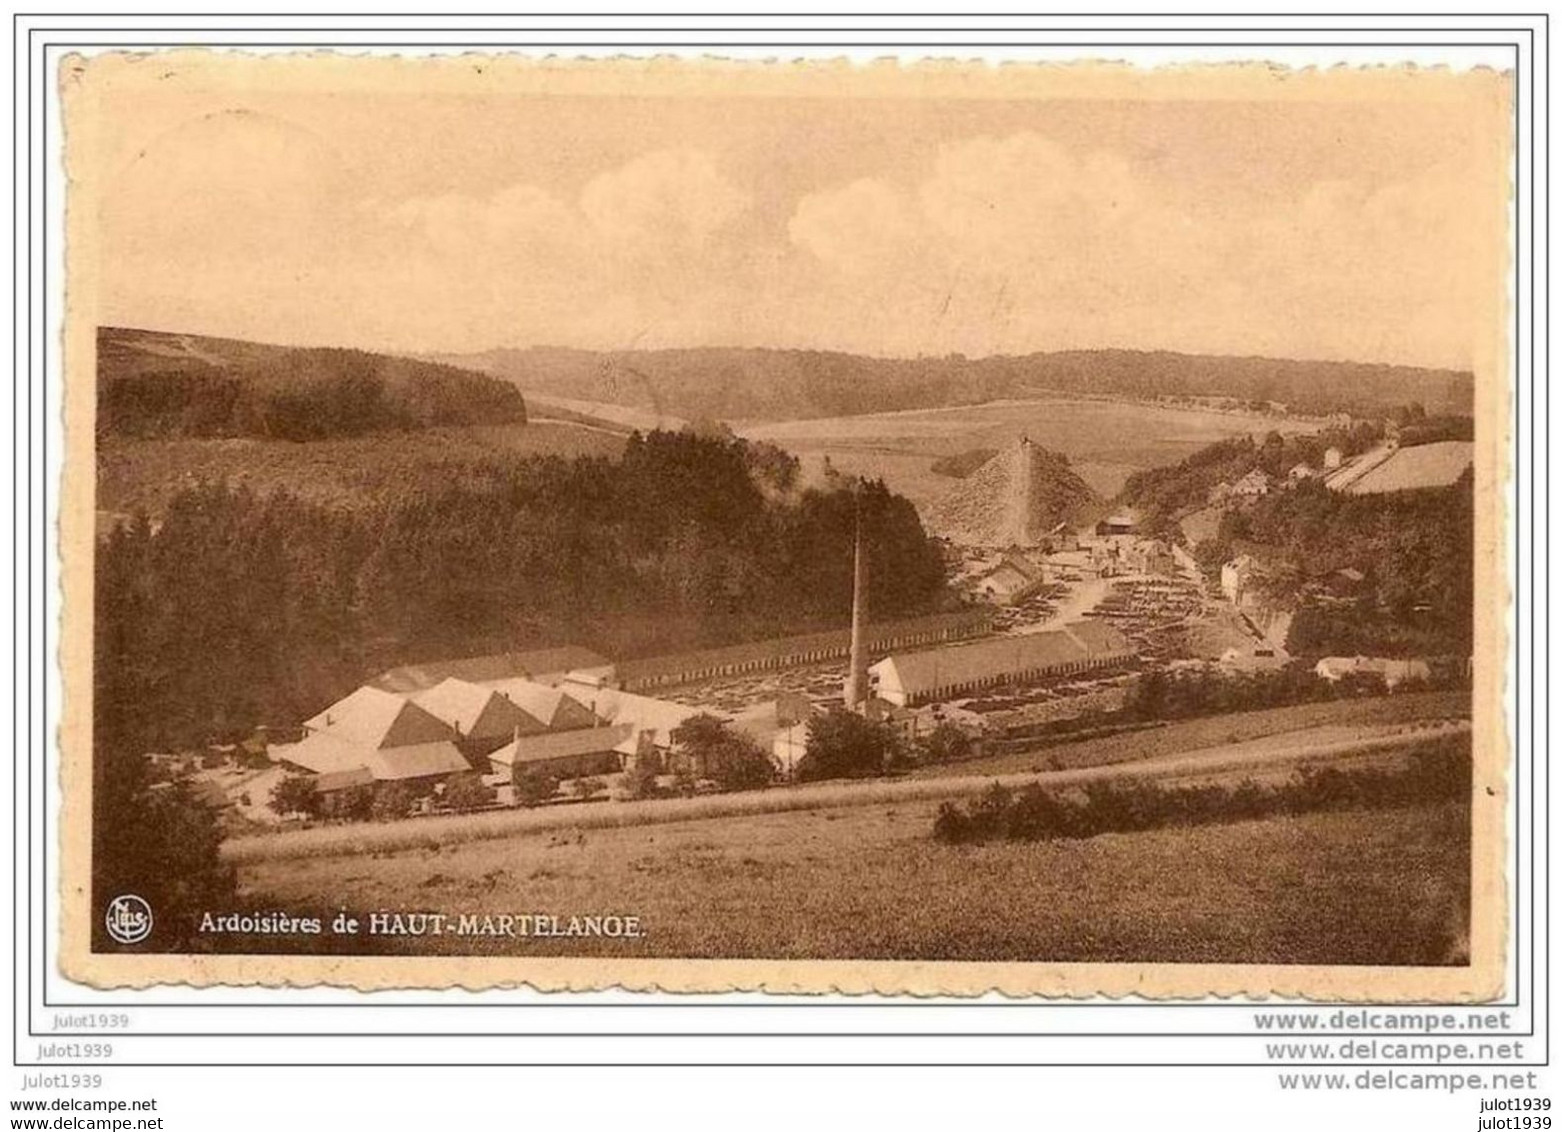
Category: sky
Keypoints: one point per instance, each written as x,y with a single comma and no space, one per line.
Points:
407,218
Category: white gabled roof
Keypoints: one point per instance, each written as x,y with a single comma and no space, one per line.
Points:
373,718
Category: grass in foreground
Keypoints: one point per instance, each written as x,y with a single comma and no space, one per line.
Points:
1359,887
1212,731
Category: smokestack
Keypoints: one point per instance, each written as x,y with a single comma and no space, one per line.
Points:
857,676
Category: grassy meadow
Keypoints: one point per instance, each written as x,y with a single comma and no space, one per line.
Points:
1356,887
1104,440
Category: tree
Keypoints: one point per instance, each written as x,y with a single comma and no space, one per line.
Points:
296,794
640,782
356,803
708,747
160,845
843,744
947,742
587,787
464,792
392,800
533,787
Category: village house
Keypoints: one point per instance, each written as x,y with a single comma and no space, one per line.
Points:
1116,525
1013,580
1235,577
1394,672
779,726
1333,458
1064,536
483,718
1254,484
582,753
391,737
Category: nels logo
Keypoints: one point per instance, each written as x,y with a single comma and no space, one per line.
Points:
128,919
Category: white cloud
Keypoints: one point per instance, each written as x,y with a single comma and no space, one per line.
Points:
665,201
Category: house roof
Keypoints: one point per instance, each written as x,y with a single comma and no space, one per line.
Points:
562,745
343,779
658,717
554,709
473,709
377,718
325,752
420,761
536,664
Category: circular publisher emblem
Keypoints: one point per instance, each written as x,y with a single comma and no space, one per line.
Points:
129,919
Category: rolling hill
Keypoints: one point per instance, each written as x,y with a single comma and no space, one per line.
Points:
156,384
768,385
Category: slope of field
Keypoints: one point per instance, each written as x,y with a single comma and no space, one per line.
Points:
760,384
1439,464
1382,887
154,384
142,475
1104,441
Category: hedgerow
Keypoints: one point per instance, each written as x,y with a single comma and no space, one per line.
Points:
1438,771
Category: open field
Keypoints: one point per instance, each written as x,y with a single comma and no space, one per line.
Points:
1104,440
1381,887
143,474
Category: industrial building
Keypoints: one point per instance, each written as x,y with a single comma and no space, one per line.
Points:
914,678
541,666
794,652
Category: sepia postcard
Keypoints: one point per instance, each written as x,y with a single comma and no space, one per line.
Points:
925,528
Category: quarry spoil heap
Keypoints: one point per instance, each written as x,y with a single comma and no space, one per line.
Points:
1012,500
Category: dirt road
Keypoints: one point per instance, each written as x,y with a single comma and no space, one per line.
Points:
1265,754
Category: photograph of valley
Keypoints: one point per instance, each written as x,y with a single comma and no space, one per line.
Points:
776,520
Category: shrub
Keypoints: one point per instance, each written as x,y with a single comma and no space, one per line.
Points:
587,787
533,787
296,794
468,792
946,743
392,800
640,783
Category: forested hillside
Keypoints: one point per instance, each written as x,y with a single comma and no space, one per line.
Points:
1410,554
242,608
753,384
152,384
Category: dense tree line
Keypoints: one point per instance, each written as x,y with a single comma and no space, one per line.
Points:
792,384
166,386
238,609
